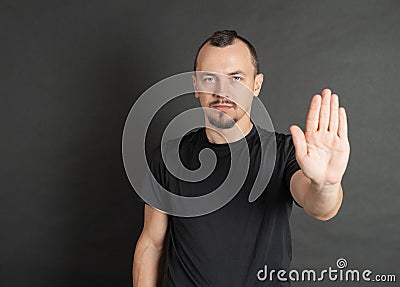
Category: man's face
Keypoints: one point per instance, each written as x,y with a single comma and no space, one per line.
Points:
227,84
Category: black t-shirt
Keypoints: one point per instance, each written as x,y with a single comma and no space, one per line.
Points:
230,245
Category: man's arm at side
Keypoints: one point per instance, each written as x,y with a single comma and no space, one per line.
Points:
322,203
149,248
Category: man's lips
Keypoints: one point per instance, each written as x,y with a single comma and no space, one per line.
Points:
222,107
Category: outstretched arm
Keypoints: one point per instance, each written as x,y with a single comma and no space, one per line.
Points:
322,152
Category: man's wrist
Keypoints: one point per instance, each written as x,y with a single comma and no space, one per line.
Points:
325,187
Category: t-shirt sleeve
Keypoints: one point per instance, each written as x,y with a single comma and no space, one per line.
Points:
153,178
291,165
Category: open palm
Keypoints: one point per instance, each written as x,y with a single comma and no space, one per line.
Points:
323,150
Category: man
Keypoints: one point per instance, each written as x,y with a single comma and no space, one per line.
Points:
229,246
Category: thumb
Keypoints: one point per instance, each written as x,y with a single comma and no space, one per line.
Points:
299,142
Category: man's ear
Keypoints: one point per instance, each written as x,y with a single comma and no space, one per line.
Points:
194,86
258,83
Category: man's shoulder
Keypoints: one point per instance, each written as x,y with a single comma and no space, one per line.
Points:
283,137
281,143
279,137
190,139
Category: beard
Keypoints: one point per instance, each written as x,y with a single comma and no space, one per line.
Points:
221,120
218,118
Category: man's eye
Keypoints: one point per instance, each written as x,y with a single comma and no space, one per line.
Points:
237,79
209,80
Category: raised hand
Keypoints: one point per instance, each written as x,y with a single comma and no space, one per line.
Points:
323,150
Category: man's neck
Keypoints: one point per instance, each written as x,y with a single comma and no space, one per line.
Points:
223,136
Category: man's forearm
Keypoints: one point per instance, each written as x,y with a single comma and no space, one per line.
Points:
321,202
145,264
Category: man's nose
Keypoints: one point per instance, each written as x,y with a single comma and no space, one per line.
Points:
222,89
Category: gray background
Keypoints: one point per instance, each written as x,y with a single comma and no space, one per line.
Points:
71,70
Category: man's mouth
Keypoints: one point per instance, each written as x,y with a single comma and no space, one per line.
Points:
222,107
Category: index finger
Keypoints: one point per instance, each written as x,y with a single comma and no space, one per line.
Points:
313,114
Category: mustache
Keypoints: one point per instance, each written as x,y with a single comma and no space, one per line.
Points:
222,102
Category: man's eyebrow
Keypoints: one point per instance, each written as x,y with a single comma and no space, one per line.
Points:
237,72
208,74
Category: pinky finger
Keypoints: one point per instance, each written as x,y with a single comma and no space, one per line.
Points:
342,130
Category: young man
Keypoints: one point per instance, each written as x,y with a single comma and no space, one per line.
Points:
230,245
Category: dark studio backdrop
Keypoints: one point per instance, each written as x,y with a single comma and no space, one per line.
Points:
71,70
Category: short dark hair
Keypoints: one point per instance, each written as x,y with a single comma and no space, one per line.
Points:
225,38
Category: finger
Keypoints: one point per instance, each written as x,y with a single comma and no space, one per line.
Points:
342,130
334,114
313,114
325,110
299,142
